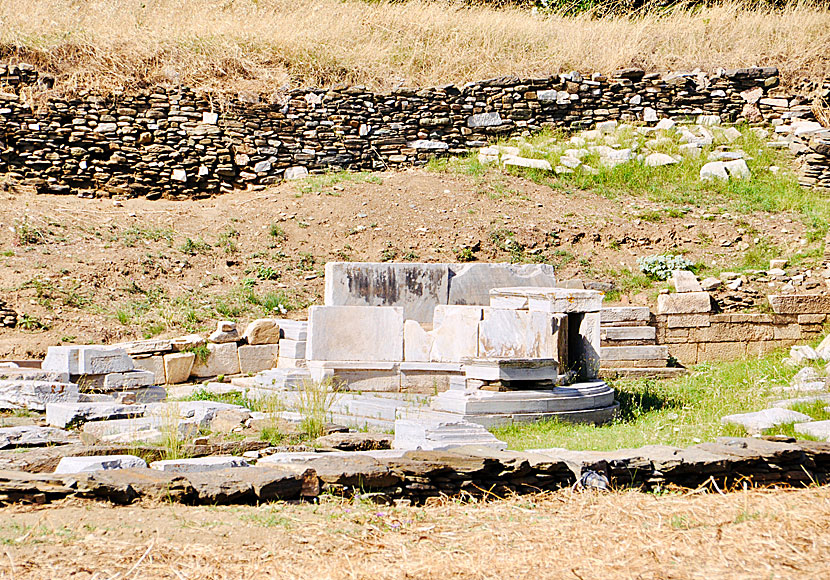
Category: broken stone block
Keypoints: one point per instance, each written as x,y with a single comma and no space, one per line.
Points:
417,342
292,329
202,412
455,333
187,342
33,436
225,332
153,364
177,367
226,420
471,283
766,419
818,429
128,380
625,314
255,358
35,395
222,360
65,414
355,333
416,287
684,303
150,346
714,170
262,331
199,464
440,435
737,169
685,281
511,161
98,463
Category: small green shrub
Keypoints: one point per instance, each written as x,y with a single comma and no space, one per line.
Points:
660,266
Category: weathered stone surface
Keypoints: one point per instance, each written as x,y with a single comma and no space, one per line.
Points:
519,334
766,419
153,364
33,436
818,429
98,463
415,287
617,314
455,333
685,303
178,366
145,347
513,161
65,414
225,332
417,342
554,300
360,471
255,358
511,369
222,360
199,464
471,283
355,333
87,360
685,281
628,333
129,380
439,435
354,441
800,303
647,352
35,395
292,329
292,349
226,420
129,484
262,331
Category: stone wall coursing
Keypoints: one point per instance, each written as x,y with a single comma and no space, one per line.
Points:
177,142
697,338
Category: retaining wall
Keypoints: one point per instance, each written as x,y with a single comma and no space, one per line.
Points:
177,142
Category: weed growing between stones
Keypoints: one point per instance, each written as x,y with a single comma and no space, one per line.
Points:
314,402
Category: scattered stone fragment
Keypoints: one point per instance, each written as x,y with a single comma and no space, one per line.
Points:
226,331
199,464
98,462
262,331
33,436
767,419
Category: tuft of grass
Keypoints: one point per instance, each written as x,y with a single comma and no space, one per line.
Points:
314,402
319,183
193,247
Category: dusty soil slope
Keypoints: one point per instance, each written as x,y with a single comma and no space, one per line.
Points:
755,534
100,271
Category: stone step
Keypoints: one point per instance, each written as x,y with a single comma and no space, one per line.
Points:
617,314
628,334
633,353
644,372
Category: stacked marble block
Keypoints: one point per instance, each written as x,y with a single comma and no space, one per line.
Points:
103,370
629,344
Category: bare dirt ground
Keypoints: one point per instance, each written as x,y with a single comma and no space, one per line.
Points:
753,534
103,270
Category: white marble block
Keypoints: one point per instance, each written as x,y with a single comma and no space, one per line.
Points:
355,333
455,333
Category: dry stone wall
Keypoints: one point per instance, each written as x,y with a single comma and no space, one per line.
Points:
177,142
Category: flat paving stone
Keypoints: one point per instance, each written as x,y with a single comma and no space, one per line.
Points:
199,464
766,419
98,463
33,436
818,429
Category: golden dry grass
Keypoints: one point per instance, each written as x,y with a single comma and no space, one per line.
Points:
753,534
270,44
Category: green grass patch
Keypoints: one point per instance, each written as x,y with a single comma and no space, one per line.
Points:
320,183
680,411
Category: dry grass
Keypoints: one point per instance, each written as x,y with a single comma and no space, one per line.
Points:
267,45
753,534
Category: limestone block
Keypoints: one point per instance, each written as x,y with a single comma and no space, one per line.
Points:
471,283
511,161
355,333
199,464
812,318
415,287
818,429
64,414
183,343
455,334
262,331
484,120
687,320
720,351
255,358
145,347
685,303
650,352
129,380
685,353
766,419
153,364
511,369
730,332
628,333
800,303
98,463
35,395
787,332
290,363
557,300
33,436
292,349
222,360
417,342
507,333
178,366
685,281
615,314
